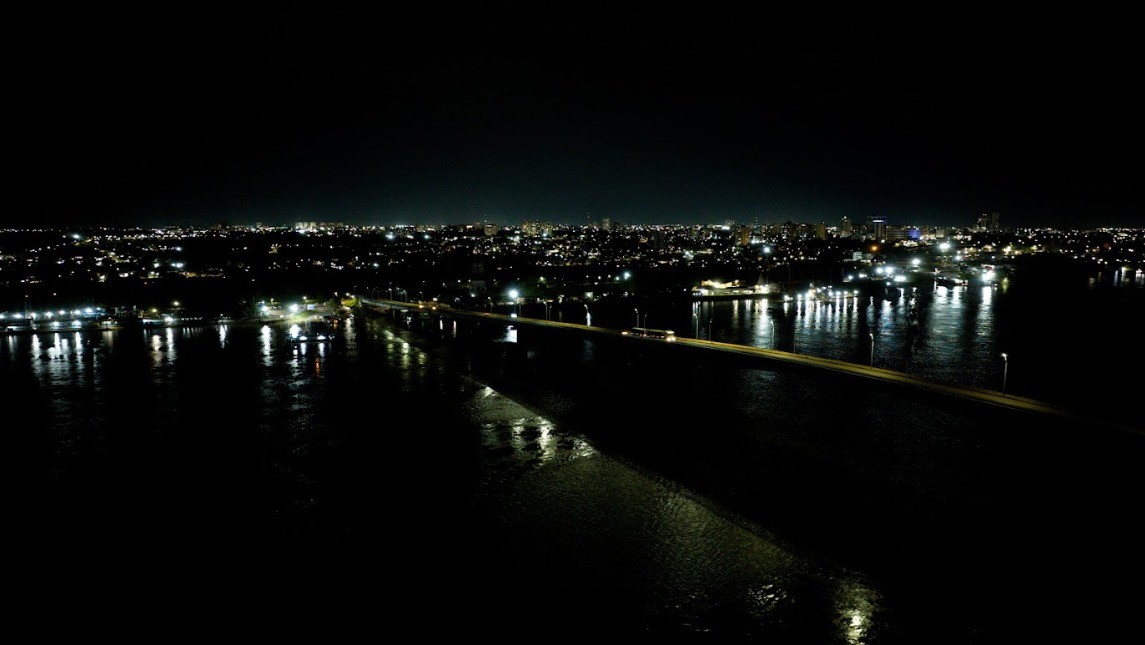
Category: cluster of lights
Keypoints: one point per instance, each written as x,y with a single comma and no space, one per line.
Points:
76,313
818,293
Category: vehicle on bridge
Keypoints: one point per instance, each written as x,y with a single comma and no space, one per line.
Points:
645,332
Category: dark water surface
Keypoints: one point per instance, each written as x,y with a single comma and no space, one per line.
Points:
443,482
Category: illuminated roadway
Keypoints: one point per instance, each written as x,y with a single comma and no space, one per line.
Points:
879,374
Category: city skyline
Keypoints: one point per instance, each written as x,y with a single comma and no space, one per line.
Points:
307,114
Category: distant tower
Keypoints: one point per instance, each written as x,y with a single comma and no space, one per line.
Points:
988,222
877,228
845,227
477,277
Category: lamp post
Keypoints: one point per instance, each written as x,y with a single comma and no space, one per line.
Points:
1005,370
872,336
513,295
587,317
696,322
637,317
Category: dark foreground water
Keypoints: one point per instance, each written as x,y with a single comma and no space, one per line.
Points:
429,483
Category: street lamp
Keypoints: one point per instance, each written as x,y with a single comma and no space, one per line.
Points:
1005,370
587,317
637,317
872,335
513,295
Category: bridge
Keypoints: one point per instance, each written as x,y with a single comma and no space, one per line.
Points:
980,395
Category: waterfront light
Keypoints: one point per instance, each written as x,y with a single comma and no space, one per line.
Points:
1005,370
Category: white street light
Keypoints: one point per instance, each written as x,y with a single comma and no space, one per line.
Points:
1005,370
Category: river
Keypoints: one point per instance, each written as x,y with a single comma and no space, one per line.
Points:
456,484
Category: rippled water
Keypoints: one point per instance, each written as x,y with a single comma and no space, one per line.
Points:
409,480
211,455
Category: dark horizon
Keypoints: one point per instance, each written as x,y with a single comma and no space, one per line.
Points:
301,113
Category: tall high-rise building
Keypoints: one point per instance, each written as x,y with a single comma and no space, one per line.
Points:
876,228
989,222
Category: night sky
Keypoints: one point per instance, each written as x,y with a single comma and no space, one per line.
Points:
281,112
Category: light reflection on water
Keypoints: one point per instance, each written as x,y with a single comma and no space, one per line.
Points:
948,334
621,527
858,606
569,513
